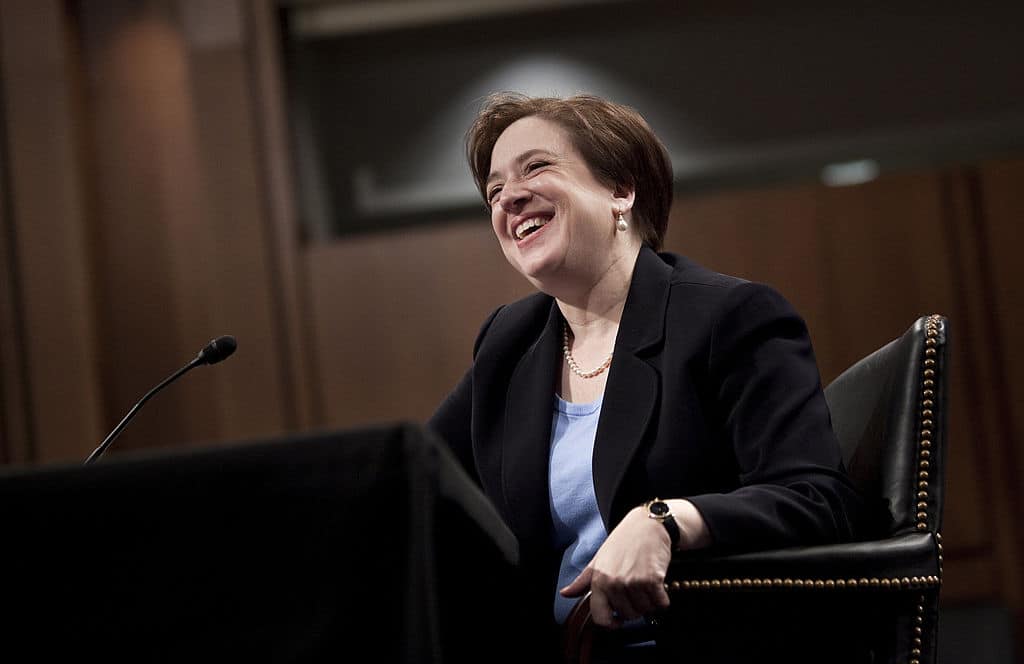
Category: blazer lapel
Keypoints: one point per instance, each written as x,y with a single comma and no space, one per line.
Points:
528,413
632,389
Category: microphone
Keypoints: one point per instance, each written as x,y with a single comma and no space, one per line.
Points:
219,349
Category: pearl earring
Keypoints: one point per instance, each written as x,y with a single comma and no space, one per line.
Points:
621,224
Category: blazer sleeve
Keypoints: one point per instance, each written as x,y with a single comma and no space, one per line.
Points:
453,419
793,488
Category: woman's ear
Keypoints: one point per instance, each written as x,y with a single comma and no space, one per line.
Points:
624,197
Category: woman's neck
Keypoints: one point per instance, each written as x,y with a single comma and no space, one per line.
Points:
593,310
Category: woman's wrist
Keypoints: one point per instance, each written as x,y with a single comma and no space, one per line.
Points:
694,533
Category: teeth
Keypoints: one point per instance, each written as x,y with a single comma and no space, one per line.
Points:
533,222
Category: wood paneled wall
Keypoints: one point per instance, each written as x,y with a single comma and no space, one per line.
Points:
148,208
140,225
395,354
50,368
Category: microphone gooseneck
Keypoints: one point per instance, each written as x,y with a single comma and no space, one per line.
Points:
215,351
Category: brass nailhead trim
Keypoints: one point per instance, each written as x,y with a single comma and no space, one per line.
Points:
926,432
874,583
926,429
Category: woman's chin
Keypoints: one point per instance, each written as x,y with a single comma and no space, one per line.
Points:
543,274
533,263
538,259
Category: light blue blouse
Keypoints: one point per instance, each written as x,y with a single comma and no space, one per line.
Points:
578,528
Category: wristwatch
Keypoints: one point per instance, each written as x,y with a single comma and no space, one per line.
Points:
659,510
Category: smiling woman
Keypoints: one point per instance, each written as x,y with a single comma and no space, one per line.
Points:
638,403
614,143
554,220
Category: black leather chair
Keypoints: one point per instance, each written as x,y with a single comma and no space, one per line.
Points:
868,601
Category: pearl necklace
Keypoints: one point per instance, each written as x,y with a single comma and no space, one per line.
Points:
575,368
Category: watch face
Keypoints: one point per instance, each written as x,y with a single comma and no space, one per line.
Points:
658,508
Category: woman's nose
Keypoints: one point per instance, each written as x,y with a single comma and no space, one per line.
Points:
513,196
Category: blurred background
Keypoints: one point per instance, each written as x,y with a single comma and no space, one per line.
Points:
291,173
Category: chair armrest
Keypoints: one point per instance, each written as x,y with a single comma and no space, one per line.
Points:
902,562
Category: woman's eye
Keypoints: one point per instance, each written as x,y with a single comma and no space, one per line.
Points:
534,165
492,193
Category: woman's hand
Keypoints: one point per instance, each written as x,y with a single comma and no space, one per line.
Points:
627,575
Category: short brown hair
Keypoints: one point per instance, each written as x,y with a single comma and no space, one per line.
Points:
616,142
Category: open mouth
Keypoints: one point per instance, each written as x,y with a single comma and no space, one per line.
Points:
530,226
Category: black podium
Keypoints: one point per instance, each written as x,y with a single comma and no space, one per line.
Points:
311,548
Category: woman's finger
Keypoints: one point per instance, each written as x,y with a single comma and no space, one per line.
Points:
579,585
602,612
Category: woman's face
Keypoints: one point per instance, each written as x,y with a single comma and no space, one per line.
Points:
554,220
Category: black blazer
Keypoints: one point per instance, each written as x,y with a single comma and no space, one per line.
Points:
713,394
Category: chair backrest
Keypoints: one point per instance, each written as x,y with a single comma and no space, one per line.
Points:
889,411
